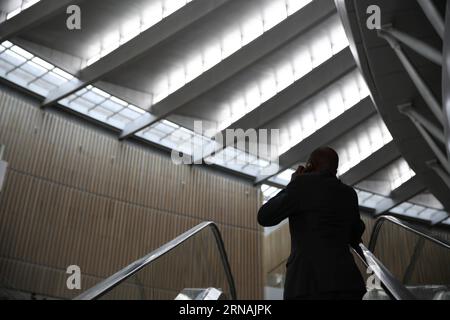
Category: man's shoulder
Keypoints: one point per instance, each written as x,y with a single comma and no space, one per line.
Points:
349,189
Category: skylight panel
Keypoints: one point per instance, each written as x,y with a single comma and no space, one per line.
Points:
406,209
100,113
29,71
399,173
23,5
25,54
232,40
99,104
54,78
315,50
13,58
351,147
34,69
5,67
319,110
42,63
41,87
373,201
149,16
363,196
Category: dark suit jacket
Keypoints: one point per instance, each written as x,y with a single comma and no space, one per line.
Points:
323,220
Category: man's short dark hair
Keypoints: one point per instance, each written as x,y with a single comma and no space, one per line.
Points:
324,158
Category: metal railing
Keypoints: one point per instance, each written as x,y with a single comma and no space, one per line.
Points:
391,285
405,225
108,284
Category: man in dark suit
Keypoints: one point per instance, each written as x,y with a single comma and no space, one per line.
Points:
323,221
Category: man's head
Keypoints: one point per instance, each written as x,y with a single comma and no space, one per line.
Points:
323,159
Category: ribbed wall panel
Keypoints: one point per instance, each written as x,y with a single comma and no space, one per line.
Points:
77,195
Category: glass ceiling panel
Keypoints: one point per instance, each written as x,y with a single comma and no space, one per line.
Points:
23,68
353,147
321,109
389,178
419,212
319,45
103,107
361,142
233,39
151,15
20,5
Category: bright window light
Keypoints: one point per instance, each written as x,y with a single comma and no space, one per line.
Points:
231,42
171,6
252,29
42,63
253,98
349,146
315,50
399,172
156,12
177,79
151,15
194,68
130,30
320,47
24,5
274,13
211,56
316,112
234,38
22,52
13,13
295,5
23,68
302,62
63,74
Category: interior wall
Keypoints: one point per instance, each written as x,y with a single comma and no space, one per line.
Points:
75,195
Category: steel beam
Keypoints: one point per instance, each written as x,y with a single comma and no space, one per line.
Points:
414,115
433,16
423,89
417,45
429,140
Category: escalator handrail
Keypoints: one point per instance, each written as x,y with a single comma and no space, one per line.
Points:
108,284
393,287
380,221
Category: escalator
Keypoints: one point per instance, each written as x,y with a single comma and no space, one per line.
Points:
210,277
422,267
193,266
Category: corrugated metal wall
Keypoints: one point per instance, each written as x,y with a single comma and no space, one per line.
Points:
77,195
